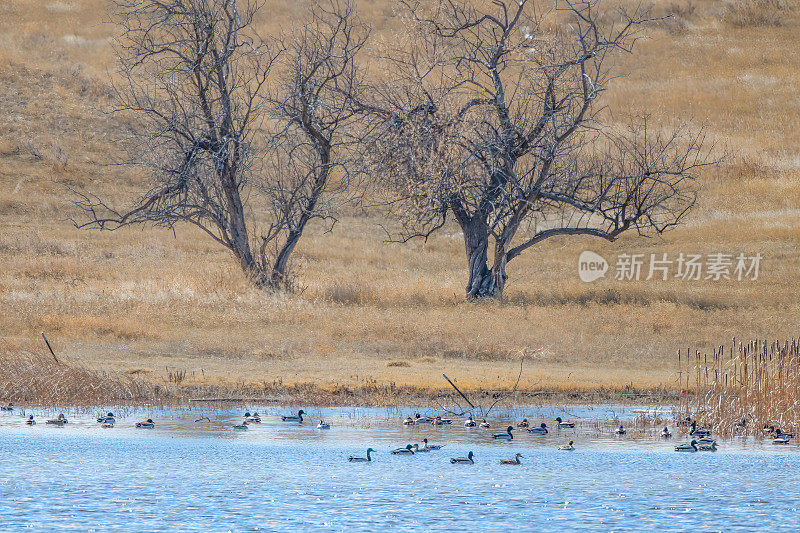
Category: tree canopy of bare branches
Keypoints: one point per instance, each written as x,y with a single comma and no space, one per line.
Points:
492,115
241,135
312,168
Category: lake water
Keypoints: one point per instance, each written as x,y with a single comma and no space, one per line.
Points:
206,476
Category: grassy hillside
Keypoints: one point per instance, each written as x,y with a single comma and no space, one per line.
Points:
148,302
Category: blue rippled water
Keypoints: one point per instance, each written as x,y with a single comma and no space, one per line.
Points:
205,476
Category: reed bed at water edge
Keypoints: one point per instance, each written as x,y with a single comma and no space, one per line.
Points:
36,379
744,388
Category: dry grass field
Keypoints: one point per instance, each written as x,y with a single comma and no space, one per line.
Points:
149,303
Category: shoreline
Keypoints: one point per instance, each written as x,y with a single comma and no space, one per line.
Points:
435,399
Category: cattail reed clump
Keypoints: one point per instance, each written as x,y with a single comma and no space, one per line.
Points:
744,388
36,379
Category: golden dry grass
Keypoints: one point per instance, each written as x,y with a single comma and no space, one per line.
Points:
151,303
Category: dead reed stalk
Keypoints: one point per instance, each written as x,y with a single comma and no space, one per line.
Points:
756,385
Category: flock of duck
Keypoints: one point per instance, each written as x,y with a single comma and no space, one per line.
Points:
701,437
105,421
701,441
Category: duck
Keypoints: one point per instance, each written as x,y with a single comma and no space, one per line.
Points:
468,460
367,459
686,422
422,419
504,436
741,423
9,407
564,425
408,421
432,446
470,423
523,424
514,461
240,427
292,418
541,430
484,424
106,418
417,449
777,432
620,430
60,420
781,440
323,425
707,445
439,421
30,421
699,432
147,424
404,451
690,447
665,433
252,419
107,425
567,447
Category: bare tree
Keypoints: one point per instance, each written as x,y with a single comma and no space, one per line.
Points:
312,168
492,115
239,135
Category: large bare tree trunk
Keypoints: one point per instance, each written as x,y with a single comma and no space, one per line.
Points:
484,282
281,265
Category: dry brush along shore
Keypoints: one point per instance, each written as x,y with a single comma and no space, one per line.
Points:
30,377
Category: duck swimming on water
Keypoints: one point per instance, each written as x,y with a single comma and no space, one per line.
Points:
147,424
507,435
252,419
541,430
514,461
468,460
564,425
523,424
30,421
323,425
404,451
422,419
566,447
9,407
484,424
620,430
60,420
292,418
470,423
107,418
778,433
706,444
367,459
665,433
